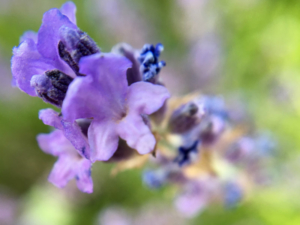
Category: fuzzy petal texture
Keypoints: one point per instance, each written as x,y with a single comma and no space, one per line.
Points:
69,9
101,94
29,35
69,165
146,98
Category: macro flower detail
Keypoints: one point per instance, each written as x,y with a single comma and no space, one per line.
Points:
69,165
72,130
145,62
150,64
54,51
115,108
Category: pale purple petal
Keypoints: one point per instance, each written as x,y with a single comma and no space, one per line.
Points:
69,9
71,130
63,171
136,133
103,140
145,97
83,176
101,94
48,38
55,143
69,165
51,118
26,62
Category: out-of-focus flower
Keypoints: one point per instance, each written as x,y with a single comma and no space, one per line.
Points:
233,194
153,213
45,63
8,209
114,216
115,107
69,165
186,117
196,196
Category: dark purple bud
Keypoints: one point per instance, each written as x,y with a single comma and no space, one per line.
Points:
75,44
51,86
186,117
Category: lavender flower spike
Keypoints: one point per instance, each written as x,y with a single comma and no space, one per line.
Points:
115,107
69,165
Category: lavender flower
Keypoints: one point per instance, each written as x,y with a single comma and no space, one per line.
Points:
69,165
115,107
45,63
233,194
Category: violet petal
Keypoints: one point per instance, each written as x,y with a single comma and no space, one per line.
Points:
136,133
103,140
69,9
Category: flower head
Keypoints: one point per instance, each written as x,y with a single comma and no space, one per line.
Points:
69,165
116,109
46,62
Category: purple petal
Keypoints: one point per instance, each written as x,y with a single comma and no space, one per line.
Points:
103,140
29,35
136,133
55,144
63,171
70,164
83,177
71,130
26,62
101,94
69,9
146,98
49,36
51,118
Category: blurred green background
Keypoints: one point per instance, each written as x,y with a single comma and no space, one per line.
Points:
249,48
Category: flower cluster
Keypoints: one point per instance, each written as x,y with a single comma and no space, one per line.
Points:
114,107
208,153
99,106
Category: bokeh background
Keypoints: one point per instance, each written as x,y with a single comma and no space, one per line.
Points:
248,49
